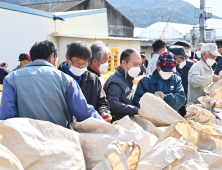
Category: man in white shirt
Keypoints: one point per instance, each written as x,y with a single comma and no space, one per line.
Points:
159,47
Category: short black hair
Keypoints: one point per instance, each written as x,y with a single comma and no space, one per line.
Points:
43,50
219,43
158,44
142,52
143,56
126,54
182,43
3,64
79,49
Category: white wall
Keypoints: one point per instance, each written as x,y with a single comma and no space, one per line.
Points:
148,51
64,41
19,31
87,25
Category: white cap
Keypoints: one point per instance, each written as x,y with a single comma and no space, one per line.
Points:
210,47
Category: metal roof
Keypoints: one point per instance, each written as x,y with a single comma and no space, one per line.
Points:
61,6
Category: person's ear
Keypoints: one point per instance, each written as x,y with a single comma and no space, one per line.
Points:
94,61
67,58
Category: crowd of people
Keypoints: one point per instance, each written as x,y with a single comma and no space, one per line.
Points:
36,89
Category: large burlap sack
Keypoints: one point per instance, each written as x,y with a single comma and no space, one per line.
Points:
214,161
8,161
98,134
158,111
42,145
193,137
171,154
210,103
214,90
120,156
200,115
148,126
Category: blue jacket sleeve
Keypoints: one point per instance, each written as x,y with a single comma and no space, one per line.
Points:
77,104
178,99
8,103
140,91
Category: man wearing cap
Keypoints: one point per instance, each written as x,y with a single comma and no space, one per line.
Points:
163,83
24,59
218,60
182,66
201,73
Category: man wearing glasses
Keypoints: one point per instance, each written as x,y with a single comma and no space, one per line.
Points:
77,60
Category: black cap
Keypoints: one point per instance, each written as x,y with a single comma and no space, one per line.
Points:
182,43
178,50
24,56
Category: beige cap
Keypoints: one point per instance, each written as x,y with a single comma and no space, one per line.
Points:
210,47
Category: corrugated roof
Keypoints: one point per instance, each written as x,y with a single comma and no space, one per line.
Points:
55,6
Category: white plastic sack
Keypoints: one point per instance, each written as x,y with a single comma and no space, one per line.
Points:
98,134
148,126
42,145
158,111
214,161
8,161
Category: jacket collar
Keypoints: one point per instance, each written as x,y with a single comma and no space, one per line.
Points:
204,65
39,63
156,55
93,71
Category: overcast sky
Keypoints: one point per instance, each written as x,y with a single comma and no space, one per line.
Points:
215,4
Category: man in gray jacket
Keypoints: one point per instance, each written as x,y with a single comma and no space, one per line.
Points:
201,73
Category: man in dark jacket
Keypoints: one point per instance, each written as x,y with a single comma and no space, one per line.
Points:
3,73
183,66
98,64
218,60
144,64
76,67
163,83
119,85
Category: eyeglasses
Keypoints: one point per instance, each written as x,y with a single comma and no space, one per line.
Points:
79,65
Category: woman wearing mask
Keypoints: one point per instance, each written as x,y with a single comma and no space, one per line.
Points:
163,82
118,87
77,59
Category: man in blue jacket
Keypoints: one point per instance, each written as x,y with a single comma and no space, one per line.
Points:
218,60
39,91
183,66
163,83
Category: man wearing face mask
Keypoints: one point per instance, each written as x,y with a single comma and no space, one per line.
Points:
39,91
201,73
218,60
98,64
163,83
119,85
183,66
198,51
77,59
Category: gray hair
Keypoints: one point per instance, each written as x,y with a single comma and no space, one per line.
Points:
98,49
206,52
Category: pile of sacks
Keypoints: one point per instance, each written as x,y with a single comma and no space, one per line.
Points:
156,139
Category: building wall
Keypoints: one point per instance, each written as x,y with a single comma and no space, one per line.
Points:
118,24
86,25
64,41
19,31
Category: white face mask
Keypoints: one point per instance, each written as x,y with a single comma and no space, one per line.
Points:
182,64
165,75
134,72
198,53
103,67
210,62
77,71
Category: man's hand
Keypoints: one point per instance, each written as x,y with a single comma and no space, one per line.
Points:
215,78
160,93
107,117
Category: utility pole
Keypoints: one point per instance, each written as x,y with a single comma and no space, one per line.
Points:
202,20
